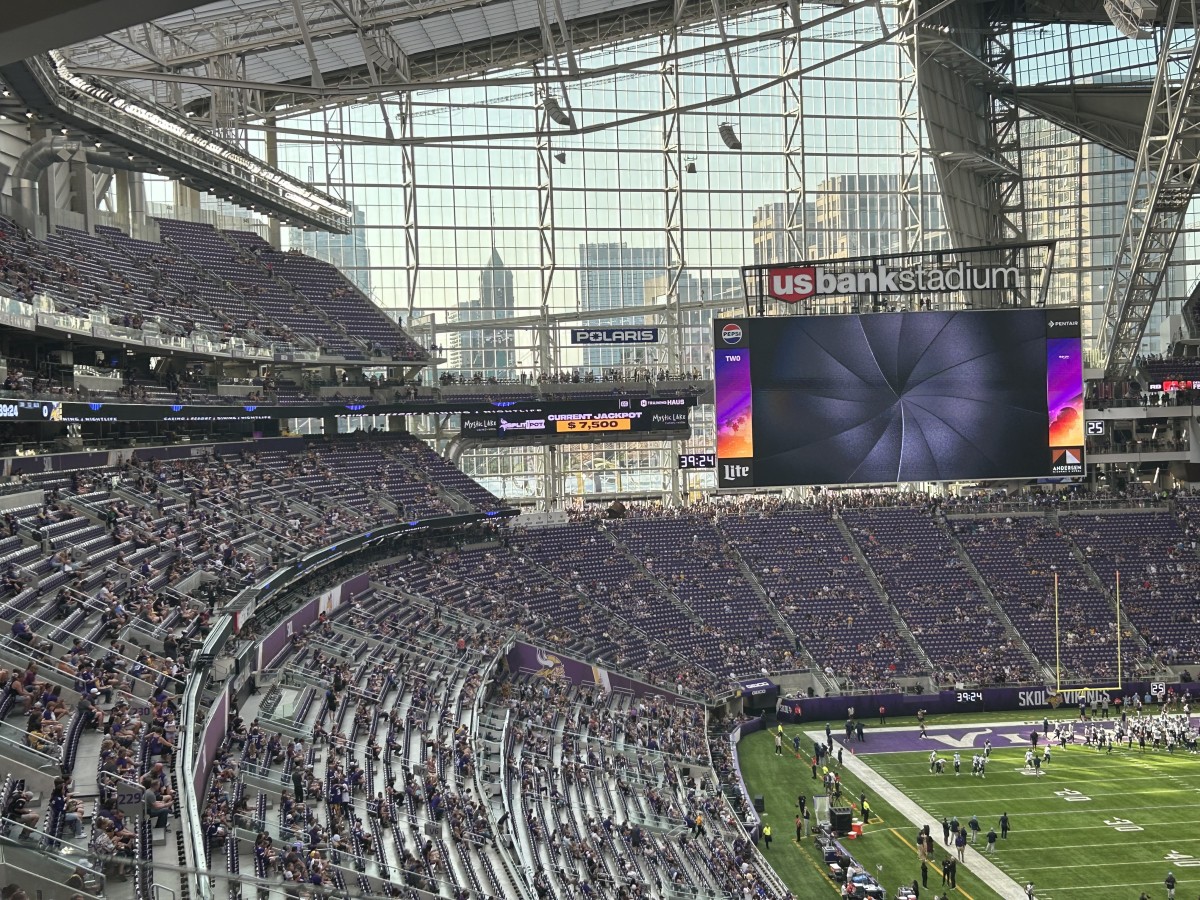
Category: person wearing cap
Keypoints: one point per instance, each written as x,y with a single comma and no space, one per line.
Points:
1169,883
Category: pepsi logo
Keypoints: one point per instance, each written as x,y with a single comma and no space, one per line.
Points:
731,333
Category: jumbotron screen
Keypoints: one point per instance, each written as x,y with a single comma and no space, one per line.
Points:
896,397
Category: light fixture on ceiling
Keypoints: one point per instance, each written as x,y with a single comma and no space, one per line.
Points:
729,136
556,112
63,130
1133,18
29,113
561,156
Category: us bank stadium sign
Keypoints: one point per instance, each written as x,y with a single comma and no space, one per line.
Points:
795,283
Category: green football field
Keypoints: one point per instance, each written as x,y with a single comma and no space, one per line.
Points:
1093,825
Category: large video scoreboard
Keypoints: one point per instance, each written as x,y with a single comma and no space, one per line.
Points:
898,397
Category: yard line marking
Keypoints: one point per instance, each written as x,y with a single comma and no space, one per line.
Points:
1057,847
1092,887
1145,862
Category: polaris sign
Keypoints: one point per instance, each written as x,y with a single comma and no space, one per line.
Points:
797,283
614,335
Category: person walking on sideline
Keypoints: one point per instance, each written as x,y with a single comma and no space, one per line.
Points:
1004,825
991,844
799,828
945,831
924,874
973,824
1029,890
1169,881
766,834
960,844
778,744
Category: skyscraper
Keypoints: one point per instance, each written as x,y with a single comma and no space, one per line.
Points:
346,251
613,276
489,351
864,215
770,235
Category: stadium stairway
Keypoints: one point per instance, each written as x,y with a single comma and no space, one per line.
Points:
663,590
902,628
674,641
1129,630
806,658
997,609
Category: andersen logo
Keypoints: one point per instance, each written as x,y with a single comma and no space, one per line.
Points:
799,283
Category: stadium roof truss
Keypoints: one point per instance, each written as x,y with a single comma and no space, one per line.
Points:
1166,174
297,55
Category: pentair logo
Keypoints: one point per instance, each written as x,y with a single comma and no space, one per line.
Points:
731,333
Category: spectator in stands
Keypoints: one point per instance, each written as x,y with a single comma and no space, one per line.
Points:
111,846
156,805
19,811
65,808
20,631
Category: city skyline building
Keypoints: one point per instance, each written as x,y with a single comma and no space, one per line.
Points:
613,276
349,252
488,352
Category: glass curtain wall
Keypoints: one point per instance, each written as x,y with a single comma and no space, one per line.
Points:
647,208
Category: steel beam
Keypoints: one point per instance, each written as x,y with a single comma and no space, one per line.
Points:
672,153
547,257
317,80
408,189
431,69
31,28
1165,179
795,188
